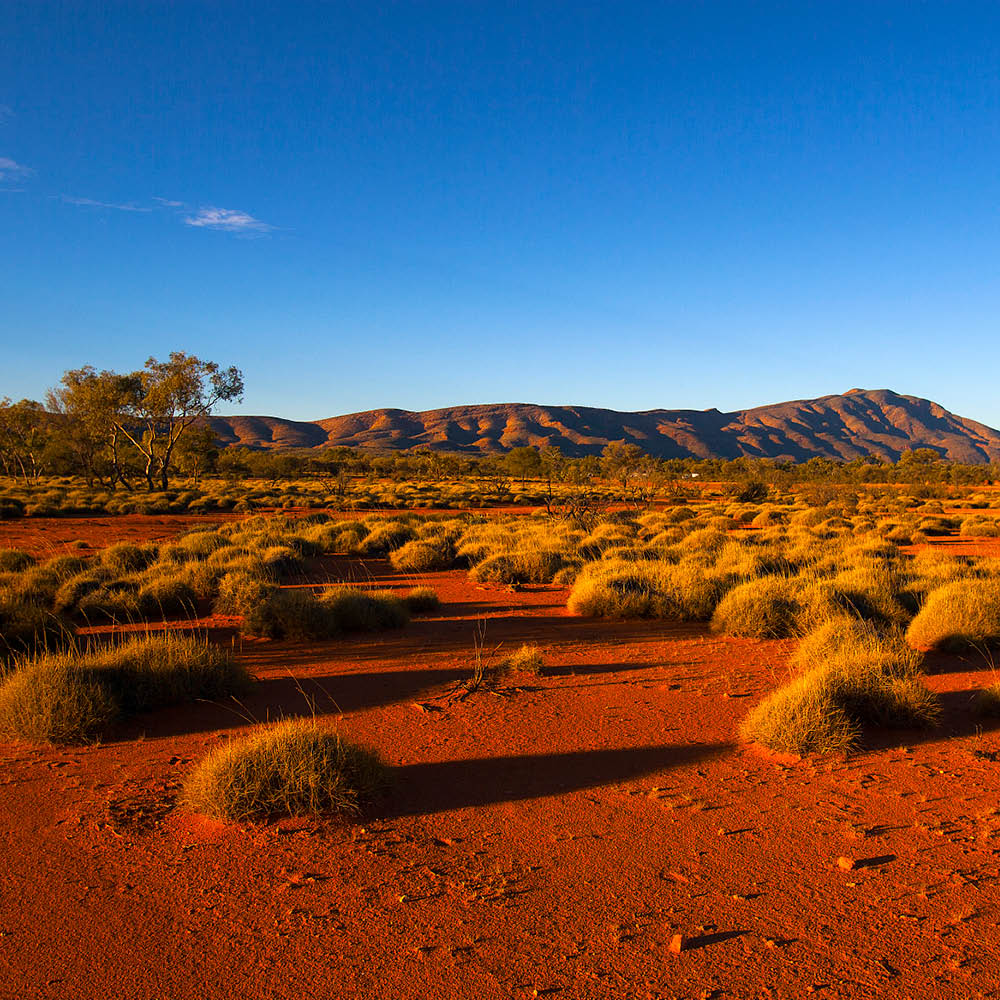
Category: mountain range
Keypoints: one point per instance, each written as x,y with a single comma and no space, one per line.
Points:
851,425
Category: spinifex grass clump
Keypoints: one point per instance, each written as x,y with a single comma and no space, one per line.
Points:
290,768
854,676
526,660
958,615
421,556
619,588
76,696
988,702
767,608
299,613
15,560
27,629
354,610
422,601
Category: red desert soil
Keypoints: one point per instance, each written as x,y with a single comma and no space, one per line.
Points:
549,840
48,536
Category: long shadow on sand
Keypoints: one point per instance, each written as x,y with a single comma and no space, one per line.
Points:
275,697
959,719
456,784
281,697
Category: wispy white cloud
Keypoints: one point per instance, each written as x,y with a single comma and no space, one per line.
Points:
11,170
228,220
91,203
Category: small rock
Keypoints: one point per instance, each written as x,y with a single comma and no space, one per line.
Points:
846,864
678,943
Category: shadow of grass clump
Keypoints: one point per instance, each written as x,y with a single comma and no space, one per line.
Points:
77,696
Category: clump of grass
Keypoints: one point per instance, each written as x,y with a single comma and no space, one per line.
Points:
355,610
859,677
520,566
290,614
117,602
71,591
76,696
988,702
526,660
765,609
166,596
385,537
422,601
26,629
241,592
613,588
958,615
15,560
420,556
289,768
125,558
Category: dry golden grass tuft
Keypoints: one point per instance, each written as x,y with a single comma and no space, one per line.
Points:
853,676
75,696
291,768
765,608
422,601
957,615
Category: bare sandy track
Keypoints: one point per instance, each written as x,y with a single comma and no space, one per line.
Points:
552,838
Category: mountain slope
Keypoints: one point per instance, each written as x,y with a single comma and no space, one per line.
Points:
857,423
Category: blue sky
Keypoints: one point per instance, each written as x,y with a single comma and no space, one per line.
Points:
673,204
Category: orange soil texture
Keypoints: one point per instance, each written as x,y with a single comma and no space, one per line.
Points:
550,839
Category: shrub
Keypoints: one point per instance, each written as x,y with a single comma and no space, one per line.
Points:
15,560
289,768
862,677
422,600
123,558
26,629
766,608
354,610
526,660
420,556
957,615
75,696
165,596
684,591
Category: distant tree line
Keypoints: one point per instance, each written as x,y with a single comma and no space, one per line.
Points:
119,429
136,429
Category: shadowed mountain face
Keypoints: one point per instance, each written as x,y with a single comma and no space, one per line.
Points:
858,423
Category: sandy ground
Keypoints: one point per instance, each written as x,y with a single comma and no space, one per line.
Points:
550,839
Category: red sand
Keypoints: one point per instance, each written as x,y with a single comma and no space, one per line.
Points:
548,840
